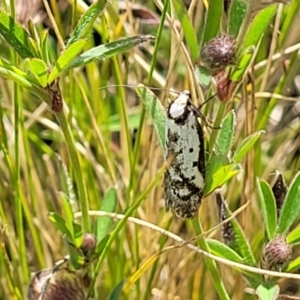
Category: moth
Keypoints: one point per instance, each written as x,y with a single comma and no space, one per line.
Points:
184,178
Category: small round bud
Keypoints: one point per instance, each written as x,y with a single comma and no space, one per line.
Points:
218,53
276,254
89,243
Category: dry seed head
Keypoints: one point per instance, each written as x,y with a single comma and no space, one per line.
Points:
57,284
276,254
227,230
218,53
279,190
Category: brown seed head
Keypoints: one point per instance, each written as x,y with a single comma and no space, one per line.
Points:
57,284
276,254
218,53
279,190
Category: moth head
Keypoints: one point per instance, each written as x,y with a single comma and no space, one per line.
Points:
178,109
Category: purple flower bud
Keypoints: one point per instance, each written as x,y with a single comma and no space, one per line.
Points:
276,254
218,53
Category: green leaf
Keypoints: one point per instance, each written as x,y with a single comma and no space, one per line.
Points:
86,22
117,291
44,45
15,35
187,27
155,110
114,122
60,224
218,172
267,291
238,9
268,205
203,75
213,20
226,134
242,245
38,69
108,50
291,206
293,265
220,249
246,145
252,39
13,73
77,258
77,234
68,213
65,58
293,237
101,244
108,204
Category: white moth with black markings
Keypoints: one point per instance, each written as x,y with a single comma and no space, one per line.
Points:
185,176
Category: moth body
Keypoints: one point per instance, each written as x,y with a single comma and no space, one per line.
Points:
185,176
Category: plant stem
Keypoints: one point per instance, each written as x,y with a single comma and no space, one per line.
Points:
210,263
61,117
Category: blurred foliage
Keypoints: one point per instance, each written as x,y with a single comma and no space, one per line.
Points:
82,142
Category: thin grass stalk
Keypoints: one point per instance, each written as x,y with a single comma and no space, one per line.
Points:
210,263
29,214
143,111
123,113
121,224
82,193
155,265
103,147
17,184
